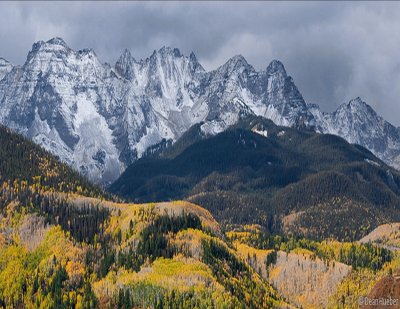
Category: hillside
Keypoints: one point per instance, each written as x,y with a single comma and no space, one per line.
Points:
150,255
62,249
312,274
386,235
288,180
171,255
31,180
301,277
306,280
64,244
23,161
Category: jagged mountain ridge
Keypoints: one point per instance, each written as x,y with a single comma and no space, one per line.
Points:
100,118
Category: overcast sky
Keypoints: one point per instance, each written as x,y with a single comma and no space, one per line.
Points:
334,51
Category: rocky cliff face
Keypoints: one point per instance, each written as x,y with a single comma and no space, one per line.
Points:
100,118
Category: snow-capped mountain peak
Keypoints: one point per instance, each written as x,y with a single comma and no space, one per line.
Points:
54,45
238,60
358,105
358,123
357,109
276,67
158,98
286,104
125,65
235,65
126,57
166,50
57,41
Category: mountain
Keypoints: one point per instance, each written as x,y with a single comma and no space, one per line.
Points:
358,123
288,180
65,244
100,118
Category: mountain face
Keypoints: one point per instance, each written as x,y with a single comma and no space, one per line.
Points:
100,118
54,99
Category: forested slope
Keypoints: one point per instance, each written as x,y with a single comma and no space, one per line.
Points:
289,180
63,244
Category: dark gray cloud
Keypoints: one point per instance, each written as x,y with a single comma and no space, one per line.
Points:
334,51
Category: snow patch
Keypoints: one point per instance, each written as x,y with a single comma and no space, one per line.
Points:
372,162
260,132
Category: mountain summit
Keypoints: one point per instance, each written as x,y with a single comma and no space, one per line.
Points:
100,118
276,67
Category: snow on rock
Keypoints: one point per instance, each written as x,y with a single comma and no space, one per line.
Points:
281,133
260,132
99,118
372,162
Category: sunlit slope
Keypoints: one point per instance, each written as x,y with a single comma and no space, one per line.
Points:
144,255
